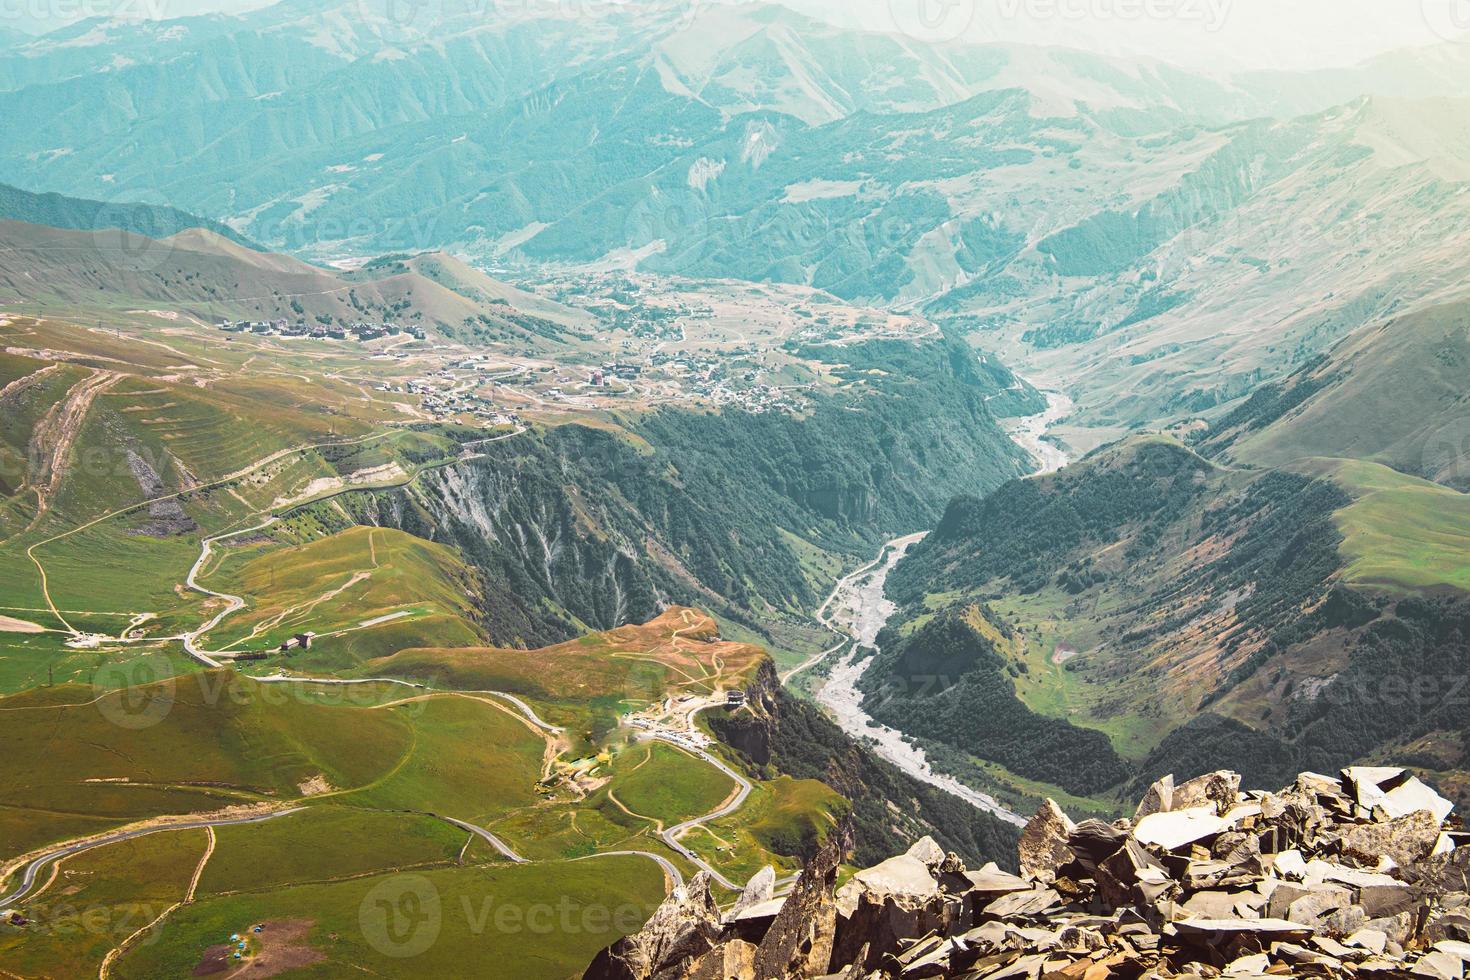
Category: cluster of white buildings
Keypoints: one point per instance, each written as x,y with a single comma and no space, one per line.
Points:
281,327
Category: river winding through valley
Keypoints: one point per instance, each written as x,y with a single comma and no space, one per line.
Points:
858,609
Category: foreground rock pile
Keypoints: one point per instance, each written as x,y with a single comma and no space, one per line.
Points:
1358,875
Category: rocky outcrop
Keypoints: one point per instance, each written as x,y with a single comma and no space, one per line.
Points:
689,939
1043,846
1357,875
680,935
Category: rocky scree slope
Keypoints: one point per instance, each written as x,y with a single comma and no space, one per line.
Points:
1356,875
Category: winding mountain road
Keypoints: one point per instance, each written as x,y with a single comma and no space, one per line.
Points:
233,603
521,706
672,834
28,876
671,871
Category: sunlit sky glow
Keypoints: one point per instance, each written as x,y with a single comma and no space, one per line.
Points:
1197,33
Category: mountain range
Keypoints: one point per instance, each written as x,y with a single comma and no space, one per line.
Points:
805,439
1164,240
1250,593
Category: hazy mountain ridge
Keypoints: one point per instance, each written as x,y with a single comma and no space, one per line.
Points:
58,211
207,277
1391,393
1112,222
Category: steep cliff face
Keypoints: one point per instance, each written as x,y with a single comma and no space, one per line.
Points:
549,570
780,733
576,528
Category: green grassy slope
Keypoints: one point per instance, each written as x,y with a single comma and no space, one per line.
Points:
99,900
663,783
1392,393
500,923
418,592
323,843
469,759
197,742
1400,533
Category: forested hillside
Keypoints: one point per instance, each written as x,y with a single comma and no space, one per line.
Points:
1148,610
151,221
579,527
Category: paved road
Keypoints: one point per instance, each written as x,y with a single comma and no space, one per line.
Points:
676,877
233,603
495,842
28,877
671,835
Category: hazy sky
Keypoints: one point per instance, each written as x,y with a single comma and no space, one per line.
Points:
1217,33
1199,33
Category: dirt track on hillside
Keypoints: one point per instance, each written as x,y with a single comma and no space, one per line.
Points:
10,625
21,384
53,439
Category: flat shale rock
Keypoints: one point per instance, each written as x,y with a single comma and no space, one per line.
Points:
1406,840
1043,846
1355,877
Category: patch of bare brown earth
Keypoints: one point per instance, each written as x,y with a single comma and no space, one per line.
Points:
1360,875
279,947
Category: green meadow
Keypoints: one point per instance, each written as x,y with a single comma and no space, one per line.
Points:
325,843
1401,533
98,899
665,784
516,922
